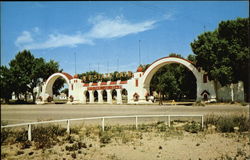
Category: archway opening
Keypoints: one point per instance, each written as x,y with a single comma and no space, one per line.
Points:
95,96
124,96
173,82
104,95
60,91
114,96
87,96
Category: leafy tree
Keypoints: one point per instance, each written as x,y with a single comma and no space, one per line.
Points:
22,68
6,83
27,72
174,81
65,91
224,53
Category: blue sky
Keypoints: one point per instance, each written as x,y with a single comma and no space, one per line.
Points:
108,33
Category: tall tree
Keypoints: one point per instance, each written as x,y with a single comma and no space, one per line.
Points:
174,81
6,83
224,53
21,67
28,72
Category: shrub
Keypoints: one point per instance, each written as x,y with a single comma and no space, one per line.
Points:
73,155
199,103
105,137
12,136
161,126
46,137
242,121
70,139
144,127
21,135
4,135
75,130
26,144
226,123
193,127
19,152
244,103
50,99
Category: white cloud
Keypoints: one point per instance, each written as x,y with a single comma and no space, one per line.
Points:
25,37
103,28
117,27
59,40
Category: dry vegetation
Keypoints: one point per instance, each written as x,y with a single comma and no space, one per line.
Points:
223,137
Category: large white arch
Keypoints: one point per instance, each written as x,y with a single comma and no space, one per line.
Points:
156,65
47,90
139,84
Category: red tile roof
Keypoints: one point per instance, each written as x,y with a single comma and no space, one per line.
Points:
67,75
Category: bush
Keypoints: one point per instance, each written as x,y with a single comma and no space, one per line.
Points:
5,133
19,152
199,103
161,126
46,137
193,127
244,103
227,123
70,139
105,137
26,144
21,136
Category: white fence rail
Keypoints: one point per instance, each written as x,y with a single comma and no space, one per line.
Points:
102,121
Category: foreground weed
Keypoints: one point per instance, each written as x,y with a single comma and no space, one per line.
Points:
105,137
193,127
47,136
226,123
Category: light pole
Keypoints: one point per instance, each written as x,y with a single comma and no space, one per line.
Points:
75,62
139,52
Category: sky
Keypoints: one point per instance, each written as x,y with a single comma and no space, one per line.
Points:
109,36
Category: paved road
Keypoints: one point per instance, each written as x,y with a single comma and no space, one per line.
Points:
30,113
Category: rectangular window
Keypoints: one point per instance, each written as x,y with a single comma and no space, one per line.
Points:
136,82
205,78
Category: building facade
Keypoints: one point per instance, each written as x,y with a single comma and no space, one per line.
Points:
133,91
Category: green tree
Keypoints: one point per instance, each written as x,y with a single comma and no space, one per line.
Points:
6,83
65,91
27,72
174,81
224,53
21,68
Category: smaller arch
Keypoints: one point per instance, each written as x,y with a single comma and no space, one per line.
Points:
105,96
48,92
114,95
95,96
86,94
124,93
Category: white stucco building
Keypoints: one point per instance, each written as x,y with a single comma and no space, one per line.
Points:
136,89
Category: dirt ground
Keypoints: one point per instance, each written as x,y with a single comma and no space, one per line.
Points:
29,113
132,145
151,146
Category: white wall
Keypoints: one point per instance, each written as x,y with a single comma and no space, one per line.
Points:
225,93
